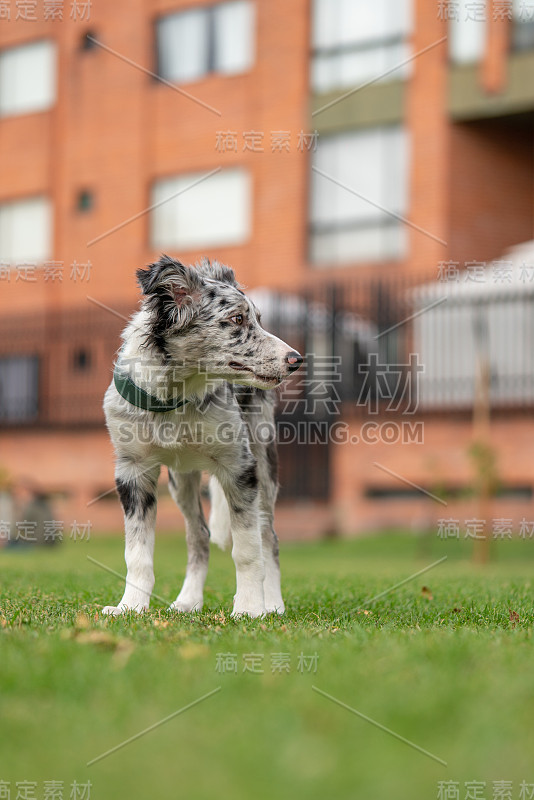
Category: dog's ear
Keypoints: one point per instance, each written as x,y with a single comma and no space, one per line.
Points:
217,272
173,291
168,273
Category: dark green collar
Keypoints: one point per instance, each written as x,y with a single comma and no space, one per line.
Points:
138,397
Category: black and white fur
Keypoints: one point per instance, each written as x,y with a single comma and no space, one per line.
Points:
198,335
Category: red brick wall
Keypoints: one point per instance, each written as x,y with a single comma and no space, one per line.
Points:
114,129
442,460
492,188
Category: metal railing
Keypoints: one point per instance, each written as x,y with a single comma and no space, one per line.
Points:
400,347
394,346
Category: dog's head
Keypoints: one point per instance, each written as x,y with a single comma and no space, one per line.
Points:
200,316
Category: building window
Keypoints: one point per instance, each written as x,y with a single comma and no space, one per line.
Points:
19,381
191,212
193,43
467,31
523,26
357,223
27,78
26,230
357,40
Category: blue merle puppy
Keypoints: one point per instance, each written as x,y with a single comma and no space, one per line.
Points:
191,391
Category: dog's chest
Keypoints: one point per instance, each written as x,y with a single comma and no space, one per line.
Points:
185,442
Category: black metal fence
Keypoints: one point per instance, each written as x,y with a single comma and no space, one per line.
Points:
395,350
408,347
56,366
388,348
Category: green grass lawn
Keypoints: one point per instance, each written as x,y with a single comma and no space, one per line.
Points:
449,668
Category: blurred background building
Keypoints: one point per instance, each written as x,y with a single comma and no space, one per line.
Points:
366,168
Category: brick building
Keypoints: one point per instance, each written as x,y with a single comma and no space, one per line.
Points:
333,144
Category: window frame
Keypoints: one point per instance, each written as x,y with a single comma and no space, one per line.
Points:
457,56
30,418
49,211
517,25
211,69
55,83
380,219
195,176
374,44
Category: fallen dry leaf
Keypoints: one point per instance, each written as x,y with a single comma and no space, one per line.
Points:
514,617
425,592
122,648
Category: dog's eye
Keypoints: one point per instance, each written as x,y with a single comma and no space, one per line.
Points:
238,319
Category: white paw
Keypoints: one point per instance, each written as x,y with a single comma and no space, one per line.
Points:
275,606
115,611
248,608
186,605
112,611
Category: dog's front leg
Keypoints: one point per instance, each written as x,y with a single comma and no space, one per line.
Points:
137,489
241,490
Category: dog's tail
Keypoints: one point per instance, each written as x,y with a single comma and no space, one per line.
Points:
219,524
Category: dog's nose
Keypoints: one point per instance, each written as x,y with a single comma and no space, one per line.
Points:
294,360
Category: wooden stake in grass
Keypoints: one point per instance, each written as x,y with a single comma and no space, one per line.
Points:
481,451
